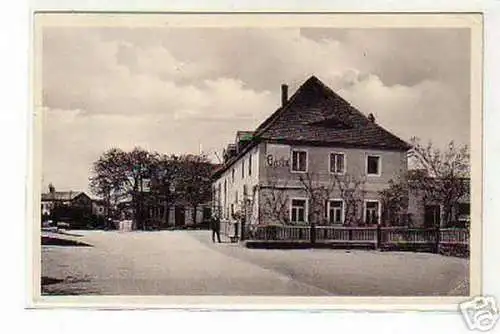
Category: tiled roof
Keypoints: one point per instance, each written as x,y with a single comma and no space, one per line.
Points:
61,196
316,114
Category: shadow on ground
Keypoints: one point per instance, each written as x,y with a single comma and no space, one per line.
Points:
67,286
53,241
50,280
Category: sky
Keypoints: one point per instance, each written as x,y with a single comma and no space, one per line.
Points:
186,90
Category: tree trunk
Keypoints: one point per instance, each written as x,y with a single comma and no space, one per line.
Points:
195,207
312,225
165,213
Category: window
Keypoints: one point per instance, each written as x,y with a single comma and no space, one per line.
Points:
464,209
373,165
236,196
299,161
463,214
232,175
372,212
337,163
336,212
298,211
219,192
242,169
207,213
225,198
245,191
250,165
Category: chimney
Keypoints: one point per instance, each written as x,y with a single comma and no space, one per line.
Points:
284,94
371,118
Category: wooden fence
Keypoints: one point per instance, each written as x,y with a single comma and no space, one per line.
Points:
373,236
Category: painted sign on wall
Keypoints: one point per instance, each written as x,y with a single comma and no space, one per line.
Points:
276,162
278,156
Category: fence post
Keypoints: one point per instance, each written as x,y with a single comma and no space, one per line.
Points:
311,218
236,230
243,230
312,226
379,237
438,237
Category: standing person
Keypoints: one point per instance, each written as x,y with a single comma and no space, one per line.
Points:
215,225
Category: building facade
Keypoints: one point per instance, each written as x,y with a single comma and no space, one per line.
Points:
316,159
430,214
177,215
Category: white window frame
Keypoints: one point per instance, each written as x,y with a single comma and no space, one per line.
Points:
306,209
342,219
379,164
330,162
291,160
366,201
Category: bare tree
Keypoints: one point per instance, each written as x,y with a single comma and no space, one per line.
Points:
318,192
352,191
442,175
194,180
164,179
122,174
395,199
108,180
274,206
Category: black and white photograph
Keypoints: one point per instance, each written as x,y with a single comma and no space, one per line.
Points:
286,157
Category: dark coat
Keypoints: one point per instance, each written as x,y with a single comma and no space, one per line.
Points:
215,224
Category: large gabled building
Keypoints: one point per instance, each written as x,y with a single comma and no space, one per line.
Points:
315,135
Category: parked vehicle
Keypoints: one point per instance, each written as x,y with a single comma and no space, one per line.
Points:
62,225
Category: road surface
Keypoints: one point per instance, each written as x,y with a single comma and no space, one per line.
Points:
188,263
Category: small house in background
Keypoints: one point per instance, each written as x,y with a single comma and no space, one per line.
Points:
64,198
430,214
72,207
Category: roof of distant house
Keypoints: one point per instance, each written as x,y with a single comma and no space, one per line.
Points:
61,195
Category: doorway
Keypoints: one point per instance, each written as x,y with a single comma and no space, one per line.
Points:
180,216
432,217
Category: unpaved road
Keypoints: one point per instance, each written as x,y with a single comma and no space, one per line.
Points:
188,263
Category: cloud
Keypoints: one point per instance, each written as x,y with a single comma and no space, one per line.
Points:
423,110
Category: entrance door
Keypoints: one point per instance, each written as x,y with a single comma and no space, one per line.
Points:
432,216
180,216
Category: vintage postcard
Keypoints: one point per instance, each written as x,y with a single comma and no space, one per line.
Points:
292,161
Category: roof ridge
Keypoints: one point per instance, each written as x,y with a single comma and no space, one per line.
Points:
272,118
